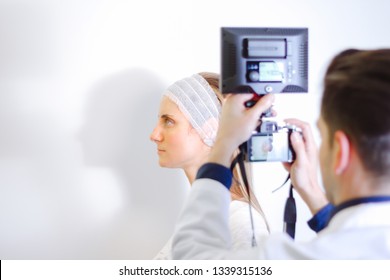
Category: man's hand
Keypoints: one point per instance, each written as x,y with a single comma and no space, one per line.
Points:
237,124
303,170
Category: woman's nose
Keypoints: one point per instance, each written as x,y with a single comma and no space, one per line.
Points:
156,136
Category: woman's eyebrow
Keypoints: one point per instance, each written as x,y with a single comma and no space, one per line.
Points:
166,116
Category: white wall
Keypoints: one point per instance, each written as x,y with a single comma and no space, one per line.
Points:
80,83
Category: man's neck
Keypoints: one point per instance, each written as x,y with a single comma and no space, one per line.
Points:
363,184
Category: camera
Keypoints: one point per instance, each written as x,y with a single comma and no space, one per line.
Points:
271,142
264,60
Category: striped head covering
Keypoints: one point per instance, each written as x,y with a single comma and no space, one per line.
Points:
199,103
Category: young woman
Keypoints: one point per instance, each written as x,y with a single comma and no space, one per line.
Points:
185,132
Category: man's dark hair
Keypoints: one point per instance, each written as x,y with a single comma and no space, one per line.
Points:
356,100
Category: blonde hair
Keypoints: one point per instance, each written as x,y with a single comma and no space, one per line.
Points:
238,189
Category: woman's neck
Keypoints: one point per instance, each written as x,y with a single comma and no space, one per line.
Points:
191,173
191,176
191,168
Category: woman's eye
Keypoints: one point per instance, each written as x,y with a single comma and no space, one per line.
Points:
169,122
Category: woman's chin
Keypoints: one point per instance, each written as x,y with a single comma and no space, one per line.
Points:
165,164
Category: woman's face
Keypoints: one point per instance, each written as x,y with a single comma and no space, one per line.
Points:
178,144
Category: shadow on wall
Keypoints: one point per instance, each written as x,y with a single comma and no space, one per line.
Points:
121,112
121,205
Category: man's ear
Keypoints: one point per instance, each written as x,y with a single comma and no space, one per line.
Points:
342,152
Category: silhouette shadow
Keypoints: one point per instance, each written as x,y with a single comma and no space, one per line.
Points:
121,112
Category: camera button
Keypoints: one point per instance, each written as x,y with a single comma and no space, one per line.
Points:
254,76
268,89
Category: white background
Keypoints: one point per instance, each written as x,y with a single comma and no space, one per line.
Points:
80,83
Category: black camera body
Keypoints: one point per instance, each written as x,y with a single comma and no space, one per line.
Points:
271,142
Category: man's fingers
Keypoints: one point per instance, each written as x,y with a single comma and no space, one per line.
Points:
298,145
264,104
306,132
305,127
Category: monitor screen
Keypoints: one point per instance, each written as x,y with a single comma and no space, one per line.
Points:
264,60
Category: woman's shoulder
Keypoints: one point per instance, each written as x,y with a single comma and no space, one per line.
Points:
166,252
241,225
241,208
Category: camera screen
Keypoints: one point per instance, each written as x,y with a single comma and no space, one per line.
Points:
269,147
271,71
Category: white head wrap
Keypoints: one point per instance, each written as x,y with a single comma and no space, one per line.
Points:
199,103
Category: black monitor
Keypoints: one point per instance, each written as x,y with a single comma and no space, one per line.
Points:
264,60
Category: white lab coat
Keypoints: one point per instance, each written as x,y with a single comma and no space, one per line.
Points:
202,232
239,227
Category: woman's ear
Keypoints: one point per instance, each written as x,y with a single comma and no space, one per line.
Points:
342,152
210,129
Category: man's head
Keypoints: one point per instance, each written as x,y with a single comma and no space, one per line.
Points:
356,101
